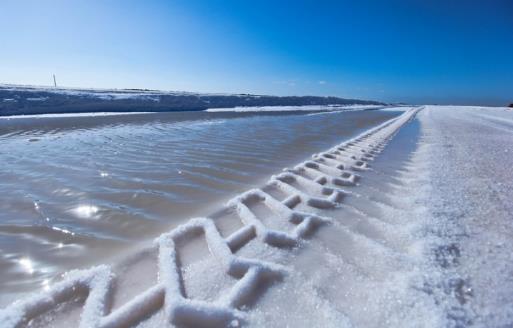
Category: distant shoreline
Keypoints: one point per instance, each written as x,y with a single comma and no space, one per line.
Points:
33,100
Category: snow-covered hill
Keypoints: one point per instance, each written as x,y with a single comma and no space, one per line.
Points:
23,100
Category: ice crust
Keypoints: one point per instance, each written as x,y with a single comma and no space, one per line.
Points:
304,198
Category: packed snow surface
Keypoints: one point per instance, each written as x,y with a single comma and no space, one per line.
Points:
468,156
405,225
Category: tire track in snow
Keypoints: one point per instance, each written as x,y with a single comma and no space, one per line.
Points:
314,184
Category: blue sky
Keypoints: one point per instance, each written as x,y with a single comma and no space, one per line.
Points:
416,51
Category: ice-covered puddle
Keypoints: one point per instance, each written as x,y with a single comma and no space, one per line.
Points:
401,226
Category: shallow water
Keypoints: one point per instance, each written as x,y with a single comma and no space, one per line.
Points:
78,190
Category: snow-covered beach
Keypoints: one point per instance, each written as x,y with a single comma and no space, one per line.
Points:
407,224
254,164
78,189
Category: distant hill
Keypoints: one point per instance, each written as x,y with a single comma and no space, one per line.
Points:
23,100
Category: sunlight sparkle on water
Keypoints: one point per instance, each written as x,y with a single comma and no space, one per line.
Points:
85,211
46,284
63,231
26,264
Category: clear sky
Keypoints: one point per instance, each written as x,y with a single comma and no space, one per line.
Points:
418,51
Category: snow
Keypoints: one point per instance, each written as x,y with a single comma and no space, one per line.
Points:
112,94
97,283
381,230
468,156
394,109
250,272
37,99
93,92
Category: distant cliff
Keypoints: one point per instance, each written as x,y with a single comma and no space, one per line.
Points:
18,100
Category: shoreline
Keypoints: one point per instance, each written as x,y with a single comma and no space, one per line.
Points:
399,224
237,235
249,109
234,163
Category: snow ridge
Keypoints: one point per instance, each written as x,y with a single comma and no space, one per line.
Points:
334,168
